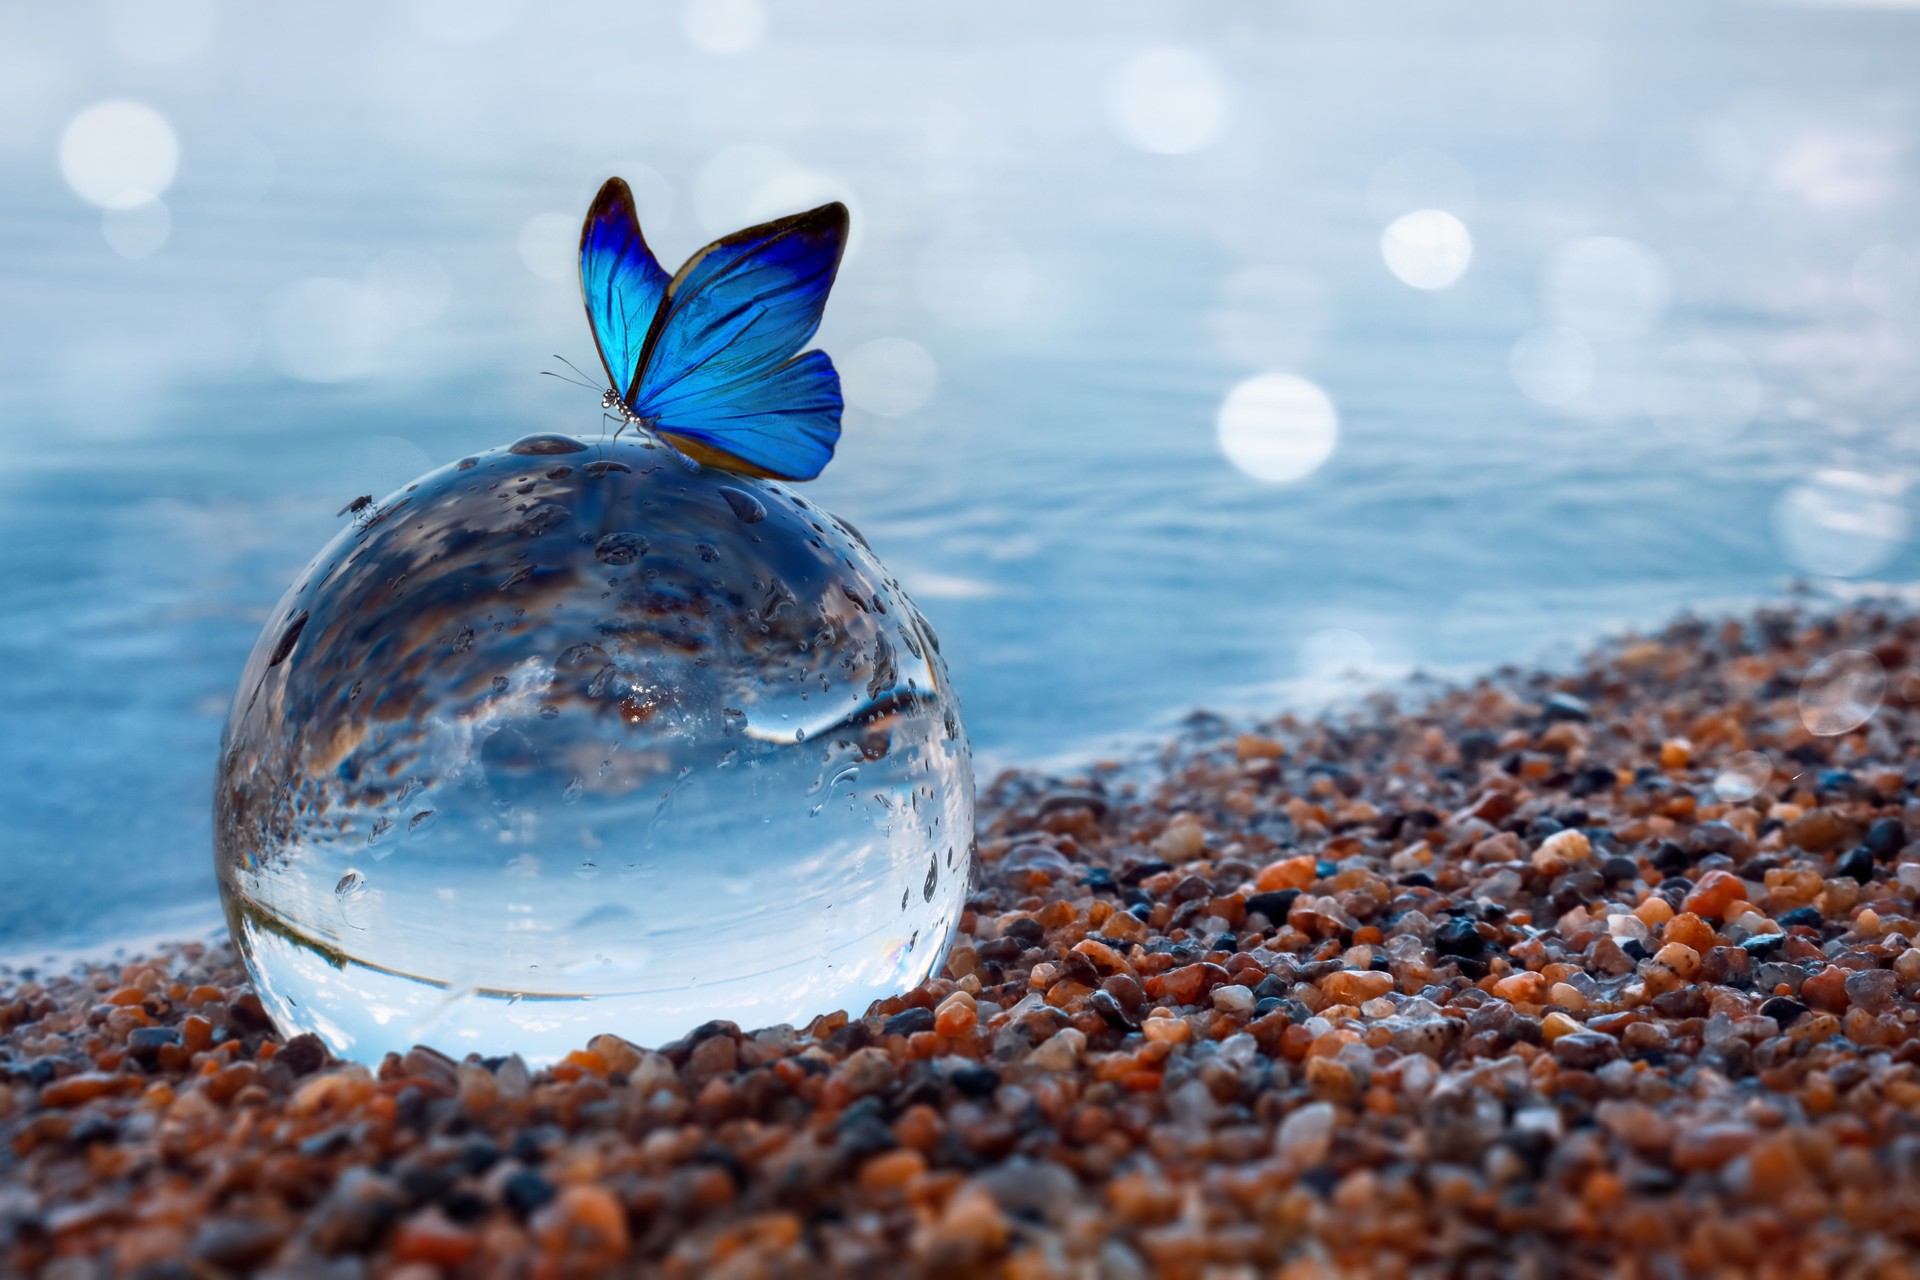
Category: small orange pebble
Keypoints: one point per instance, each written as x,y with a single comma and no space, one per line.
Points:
1166,1030
1103,956
1141,1081
126,996
954,1019
588,1224
204,994
1679,957
1522,988
1250,746
1289,873
1655,911
1675,753
428,1237
78,1090
919,1127
1689,930
586,1060
892,1170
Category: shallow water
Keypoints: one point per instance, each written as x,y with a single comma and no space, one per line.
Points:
1676,371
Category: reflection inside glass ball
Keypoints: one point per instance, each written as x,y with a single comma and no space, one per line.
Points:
568,738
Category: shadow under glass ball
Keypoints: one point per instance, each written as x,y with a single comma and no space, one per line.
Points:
568,738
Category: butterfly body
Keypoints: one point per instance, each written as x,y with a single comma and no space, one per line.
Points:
709,359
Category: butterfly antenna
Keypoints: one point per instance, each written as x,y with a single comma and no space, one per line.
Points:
548,373
576,368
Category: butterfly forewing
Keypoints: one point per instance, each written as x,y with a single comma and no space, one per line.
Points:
621,282
719,367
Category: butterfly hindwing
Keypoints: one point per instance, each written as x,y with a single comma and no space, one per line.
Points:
620,280
719,366
782,423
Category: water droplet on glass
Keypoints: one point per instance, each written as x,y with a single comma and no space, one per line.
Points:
545,444
619,548
541,517
1842,691
671,730
1743,776
745,505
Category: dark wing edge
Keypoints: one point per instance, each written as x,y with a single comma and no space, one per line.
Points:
621,283
826,225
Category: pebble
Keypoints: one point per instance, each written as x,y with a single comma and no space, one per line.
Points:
1480,987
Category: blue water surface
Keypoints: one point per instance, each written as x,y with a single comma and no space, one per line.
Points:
1677,370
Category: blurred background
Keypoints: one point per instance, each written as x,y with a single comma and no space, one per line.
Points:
1226,357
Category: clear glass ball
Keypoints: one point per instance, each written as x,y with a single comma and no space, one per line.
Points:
569,738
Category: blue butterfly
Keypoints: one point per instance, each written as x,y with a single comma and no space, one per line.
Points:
706,359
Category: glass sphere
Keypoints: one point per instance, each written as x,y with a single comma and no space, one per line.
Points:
570,738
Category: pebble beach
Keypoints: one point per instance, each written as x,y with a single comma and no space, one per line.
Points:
1599,972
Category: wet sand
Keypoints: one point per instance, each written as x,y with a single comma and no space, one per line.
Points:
1607,972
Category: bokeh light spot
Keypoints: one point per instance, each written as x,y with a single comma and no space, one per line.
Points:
1277,427
410,288
136,224
724,27
115,147
1552,365
1427,249
1744,776
549,245
1841,692
1606,287
1168,100
1841,524
1703,390
890,377
324,329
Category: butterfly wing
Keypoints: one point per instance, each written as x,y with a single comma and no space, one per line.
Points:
620,281
720,376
